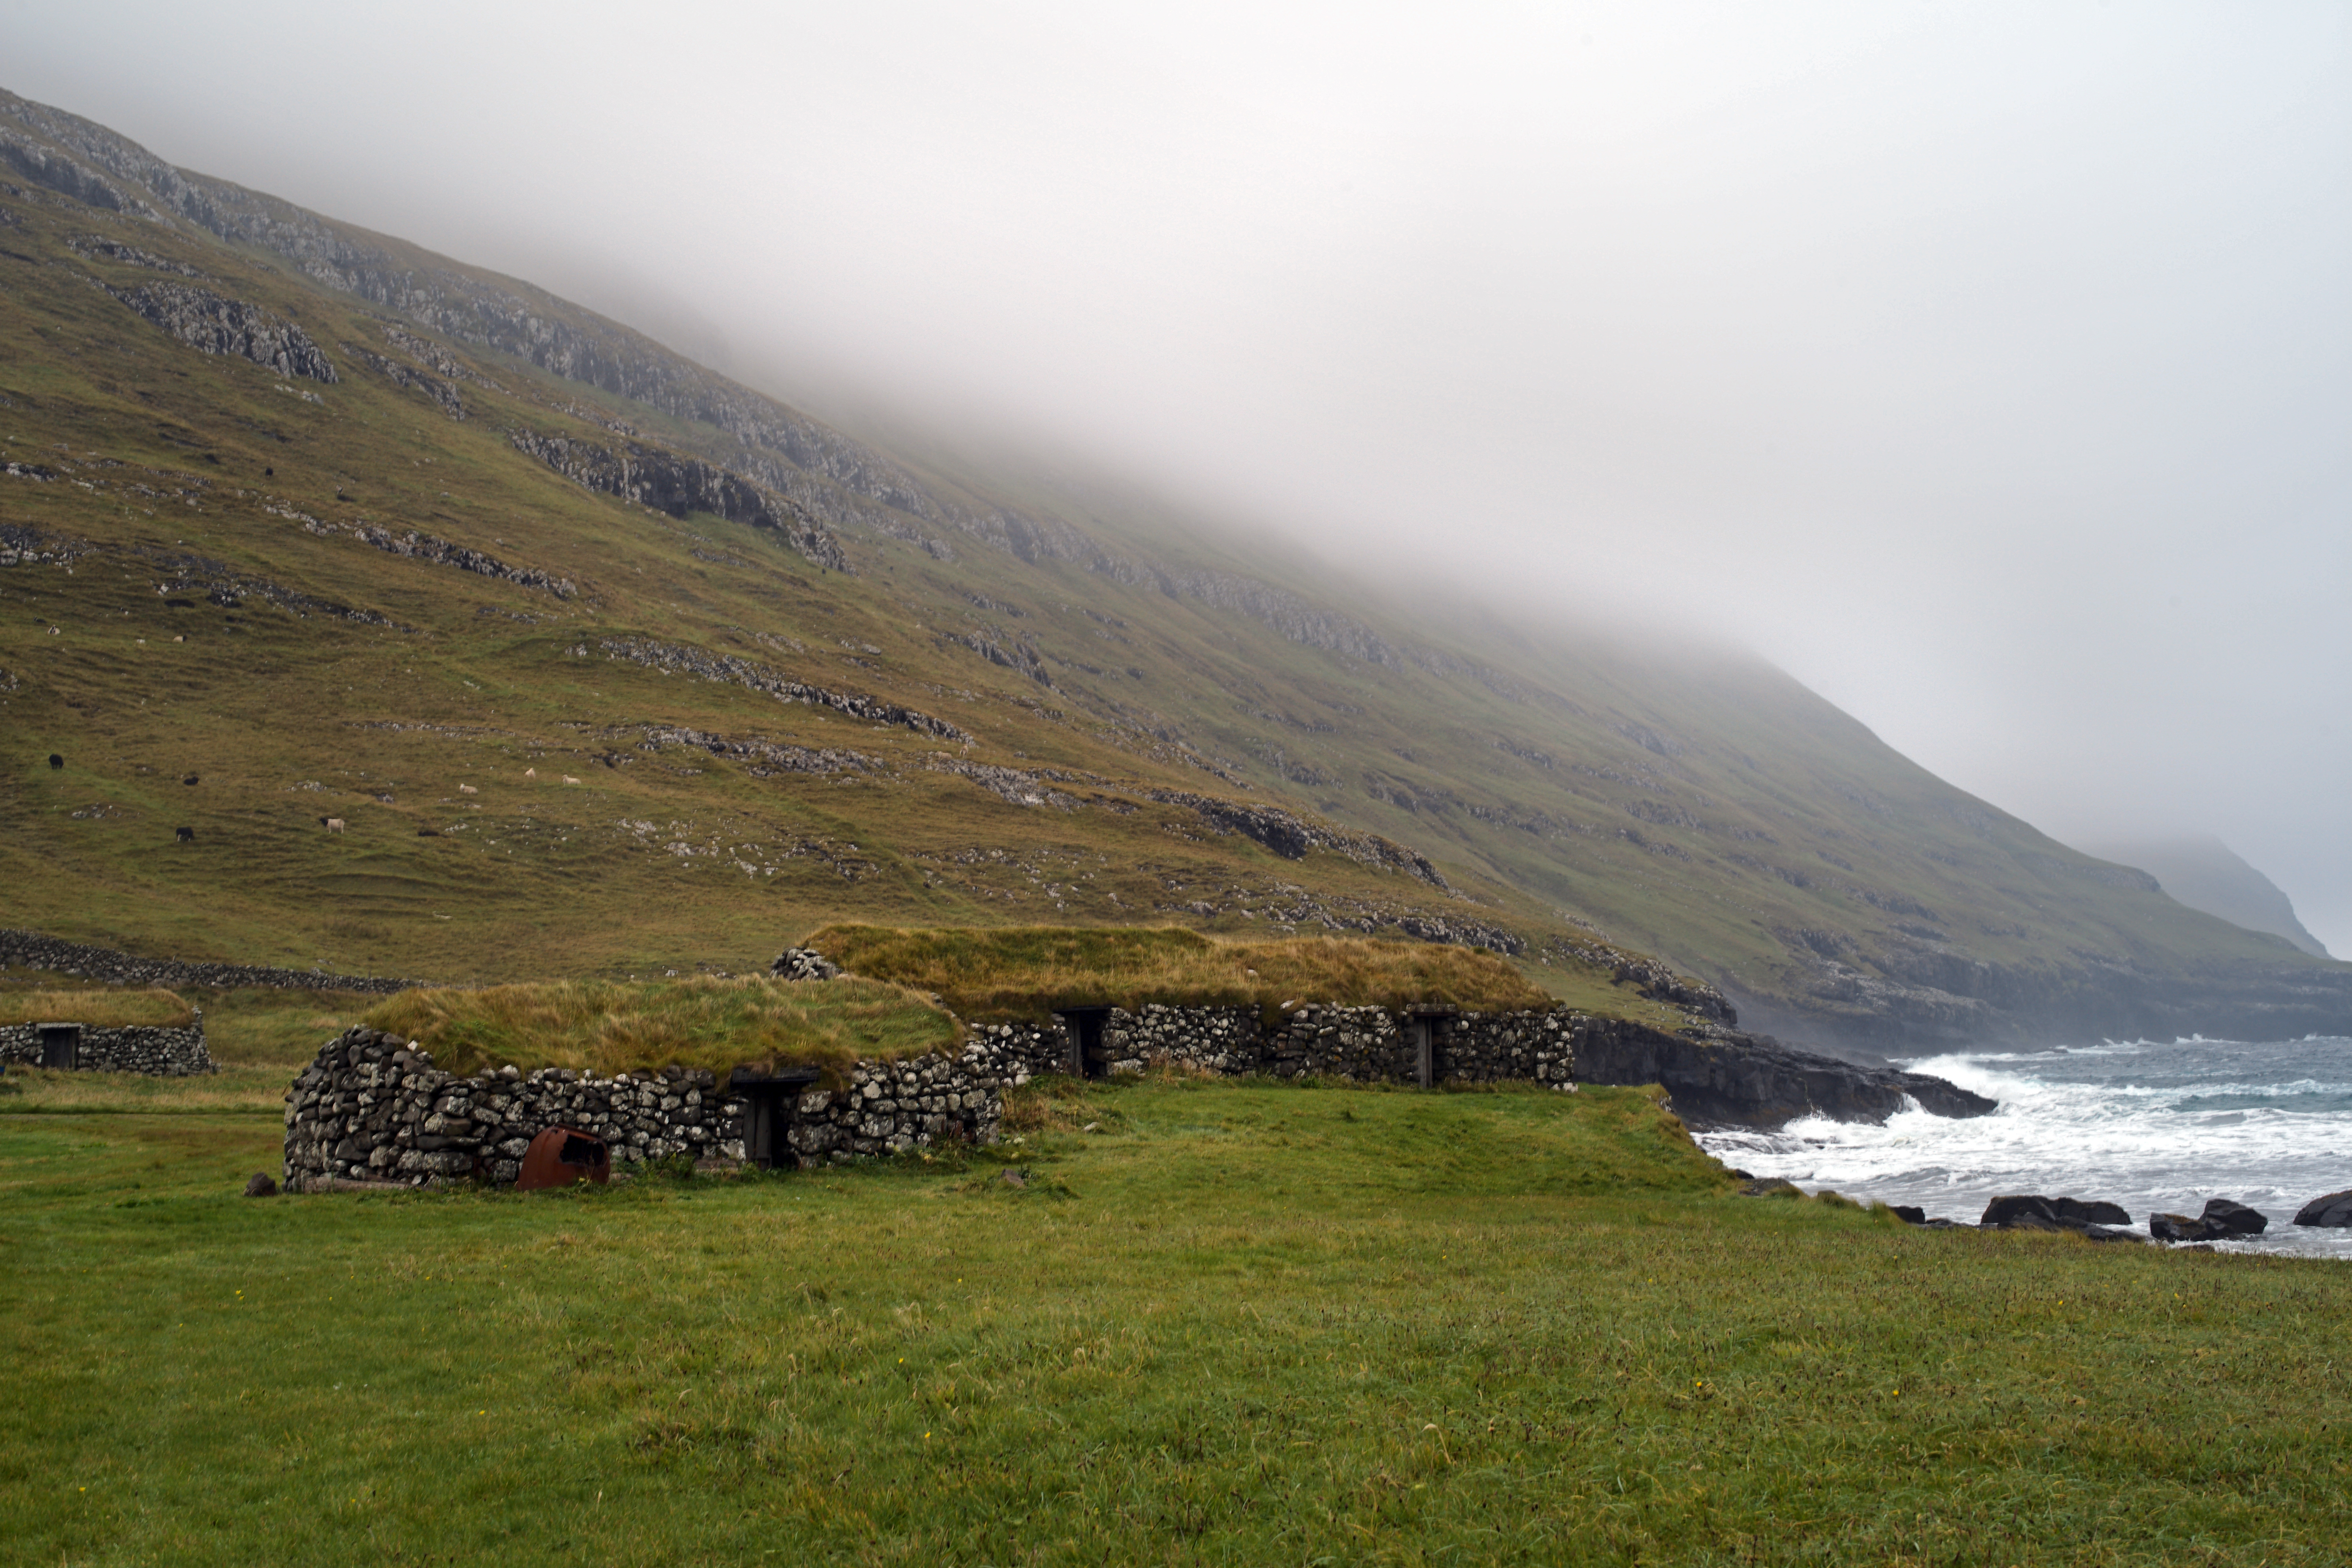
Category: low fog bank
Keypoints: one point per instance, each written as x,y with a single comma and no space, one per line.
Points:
1980,366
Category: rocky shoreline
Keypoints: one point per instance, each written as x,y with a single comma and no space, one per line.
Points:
2222,1219
1723,1078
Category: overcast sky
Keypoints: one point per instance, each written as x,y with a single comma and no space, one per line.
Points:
1989,367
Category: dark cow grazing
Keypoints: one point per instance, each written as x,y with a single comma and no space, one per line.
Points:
189,780
56,760
185,834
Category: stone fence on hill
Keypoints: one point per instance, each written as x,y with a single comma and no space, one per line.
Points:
85,1047
31,950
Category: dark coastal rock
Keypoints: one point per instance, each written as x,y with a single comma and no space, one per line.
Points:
2222,1221
1723,1077
1909,1214
2226,1218
261,1186
2334,1210
2032,1213
2025,1212
1768,1186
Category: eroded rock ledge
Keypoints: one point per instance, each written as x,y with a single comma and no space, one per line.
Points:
1752,1080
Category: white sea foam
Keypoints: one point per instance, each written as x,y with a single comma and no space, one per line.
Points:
2156,1127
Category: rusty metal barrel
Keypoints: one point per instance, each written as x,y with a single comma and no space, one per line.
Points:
563,1155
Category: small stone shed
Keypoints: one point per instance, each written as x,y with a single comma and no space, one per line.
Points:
167,1052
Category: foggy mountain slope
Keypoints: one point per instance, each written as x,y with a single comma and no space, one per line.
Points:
510,534
2207,874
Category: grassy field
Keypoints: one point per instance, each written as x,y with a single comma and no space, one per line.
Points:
1030,971
697,1021
1238,1323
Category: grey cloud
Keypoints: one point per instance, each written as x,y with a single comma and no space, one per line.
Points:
1983,365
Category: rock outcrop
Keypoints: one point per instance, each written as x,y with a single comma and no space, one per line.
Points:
214,324
1292,837
1748,1080
677,485
728,669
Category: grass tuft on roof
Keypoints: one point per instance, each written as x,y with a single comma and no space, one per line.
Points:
1027,972
97,1009
608,1026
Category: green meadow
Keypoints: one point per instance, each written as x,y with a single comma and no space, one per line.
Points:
1234,1322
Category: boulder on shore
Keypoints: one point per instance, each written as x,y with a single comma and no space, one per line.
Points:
2332,1210
2223,1220
2024,1212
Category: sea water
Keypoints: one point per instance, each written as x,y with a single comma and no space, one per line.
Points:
2157,1128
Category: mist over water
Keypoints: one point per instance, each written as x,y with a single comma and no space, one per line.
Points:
2154,1127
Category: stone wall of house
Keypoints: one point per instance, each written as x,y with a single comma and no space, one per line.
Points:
140,1048
373,1107
891,1106
1351,1044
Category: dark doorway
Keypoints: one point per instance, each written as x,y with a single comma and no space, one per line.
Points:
1424,1034
772,1107
1085,1027
62,1045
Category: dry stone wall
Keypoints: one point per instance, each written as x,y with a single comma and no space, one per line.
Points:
143,1047
31,950
1351,1044
374,1108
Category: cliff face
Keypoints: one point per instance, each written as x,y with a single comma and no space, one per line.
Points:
548,533
2095,996
2205,873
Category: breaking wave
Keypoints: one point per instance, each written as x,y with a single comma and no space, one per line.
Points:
2156,1127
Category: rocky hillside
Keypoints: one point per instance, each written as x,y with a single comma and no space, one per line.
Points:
2205,873
604,663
